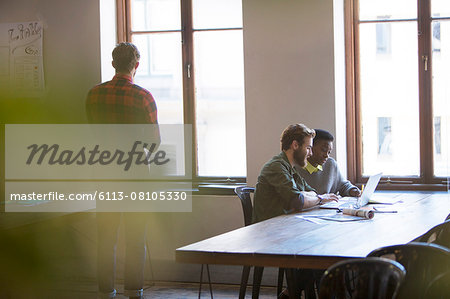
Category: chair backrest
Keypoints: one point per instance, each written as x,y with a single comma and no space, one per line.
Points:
243,192
362,278
422,261
440,234
439,288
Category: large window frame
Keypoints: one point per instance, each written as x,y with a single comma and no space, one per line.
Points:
426,180
125,33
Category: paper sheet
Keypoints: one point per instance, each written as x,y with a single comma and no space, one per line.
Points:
21,59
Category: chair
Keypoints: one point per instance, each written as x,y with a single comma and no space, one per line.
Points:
362,278
422,261
440,234
243,192
439,288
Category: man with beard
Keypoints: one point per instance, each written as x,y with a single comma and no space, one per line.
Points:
280,189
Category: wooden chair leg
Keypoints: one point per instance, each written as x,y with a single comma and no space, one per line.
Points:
257,277
244,281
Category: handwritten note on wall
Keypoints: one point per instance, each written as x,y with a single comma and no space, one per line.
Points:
21,60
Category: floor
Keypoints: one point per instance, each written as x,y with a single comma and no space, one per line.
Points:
162,290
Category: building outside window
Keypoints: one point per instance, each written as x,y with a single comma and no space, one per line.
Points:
384,136
383,35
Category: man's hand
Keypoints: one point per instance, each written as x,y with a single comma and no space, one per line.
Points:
311,198
355,192
324,198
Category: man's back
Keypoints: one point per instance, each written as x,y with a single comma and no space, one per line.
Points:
120,101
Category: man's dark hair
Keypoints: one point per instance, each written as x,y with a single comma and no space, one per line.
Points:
295,132
322,135
125,56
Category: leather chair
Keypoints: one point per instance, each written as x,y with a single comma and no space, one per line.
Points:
439,288
422,261
362,278
440,234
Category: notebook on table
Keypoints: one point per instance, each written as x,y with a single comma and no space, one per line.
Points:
356,202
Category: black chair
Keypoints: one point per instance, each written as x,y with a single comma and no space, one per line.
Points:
366,278
439,288
440,234
422,261
243,192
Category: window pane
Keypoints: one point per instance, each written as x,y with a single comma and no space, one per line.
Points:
219,78
441,97
389,100
147,15
396,9
440,8
159,71
384,136
217,13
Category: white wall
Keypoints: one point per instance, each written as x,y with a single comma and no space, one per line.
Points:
289,73
71,47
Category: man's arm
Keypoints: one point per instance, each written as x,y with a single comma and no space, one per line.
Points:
311,199
344,187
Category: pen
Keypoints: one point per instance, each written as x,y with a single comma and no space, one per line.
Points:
378,211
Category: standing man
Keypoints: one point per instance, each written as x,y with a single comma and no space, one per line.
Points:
322,172
120,101
280,189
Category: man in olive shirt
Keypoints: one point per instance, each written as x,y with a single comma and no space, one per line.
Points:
280,189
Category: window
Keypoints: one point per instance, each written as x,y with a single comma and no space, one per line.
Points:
192,62
408,85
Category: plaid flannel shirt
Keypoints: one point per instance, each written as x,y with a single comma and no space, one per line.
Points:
122,102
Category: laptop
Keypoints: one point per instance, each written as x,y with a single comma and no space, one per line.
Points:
356,202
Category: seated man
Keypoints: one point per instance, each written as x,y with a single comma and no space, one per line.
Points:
280,189
322,172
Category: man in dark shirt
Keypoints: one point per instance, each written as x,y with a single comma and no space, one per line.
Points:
120,101
280,189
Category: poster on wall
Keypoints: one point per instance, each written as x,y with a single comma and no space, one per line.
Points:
21,60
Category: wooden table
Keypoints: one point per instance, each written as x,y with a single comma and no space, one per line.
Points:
290,242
